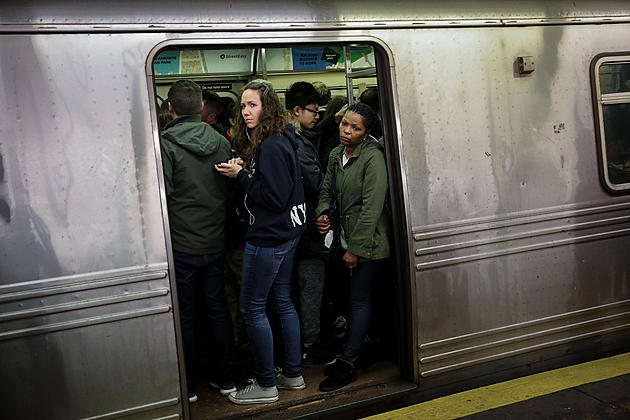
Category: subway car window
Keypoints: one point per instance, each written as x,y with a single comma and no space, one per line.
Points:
614,117
339,74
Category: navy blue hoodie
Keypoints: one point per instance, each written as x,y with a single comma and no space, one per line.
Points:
274,195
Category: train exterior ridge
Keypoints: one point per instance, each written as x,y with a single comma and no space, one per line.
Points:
60,16
510,250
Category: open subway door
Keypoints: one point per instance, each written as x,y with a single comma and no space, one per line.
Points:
348,69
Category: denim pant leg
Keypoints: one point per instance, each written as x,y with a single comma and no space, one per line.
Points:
280,295
259,272
360,307
185,274
311,273
217,310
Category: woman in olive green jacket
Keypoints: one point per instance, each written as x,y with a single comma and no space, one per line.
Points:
356,186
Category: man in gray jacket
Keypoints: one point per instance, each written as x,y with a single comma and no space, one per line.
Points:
302,101
196,198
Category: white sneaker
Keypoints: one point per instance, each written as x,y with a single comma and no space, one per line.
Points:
192,397
224,390
254,394
295,384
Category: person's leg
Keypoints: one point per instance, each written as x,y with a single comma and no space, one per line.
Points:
311,275
360,307
233,276
281,297
259,271
218,313
362,281
185,274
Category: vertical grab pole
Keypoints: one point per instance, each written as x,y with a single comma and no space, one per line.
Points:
348,61
263,62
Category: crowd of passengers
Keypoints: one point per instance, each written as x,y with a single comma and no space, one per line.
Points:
262,200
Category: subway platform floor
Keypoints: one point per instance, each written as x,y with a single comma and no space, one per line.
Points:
599,389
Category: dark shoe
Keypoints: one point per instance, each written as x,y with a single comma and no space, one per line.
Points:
340,374
316,354
328,368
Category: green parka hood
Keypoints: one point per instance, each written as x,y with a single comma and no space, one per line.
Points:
199,139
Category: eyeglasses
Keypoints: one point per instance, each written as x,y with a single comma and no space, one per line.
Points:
314,111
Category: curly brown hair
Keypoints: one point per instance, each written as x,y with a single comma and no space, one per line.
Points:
272,120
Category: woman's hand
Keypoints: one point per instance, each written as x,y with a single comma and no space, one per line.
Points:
323,224
350,259
339,114
237,161
228,169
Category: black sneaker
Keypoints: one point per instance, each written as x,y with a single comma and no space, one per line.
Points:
340,374
316,354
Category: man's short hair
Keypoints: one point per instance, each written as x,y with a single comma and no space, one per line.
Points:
185,97
323,91
370,98
209,97
301,94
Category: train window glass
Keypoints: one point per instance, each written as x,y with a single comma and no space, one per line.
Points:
614,78
613,104
225,71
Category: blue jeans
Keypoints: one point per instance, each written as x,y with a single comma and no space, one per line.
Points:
362,282
267,275
206,273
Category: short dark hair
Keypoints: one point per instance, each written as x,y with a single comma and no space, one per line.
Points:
185,97
210,97
370,98
301,94
229,110
370,119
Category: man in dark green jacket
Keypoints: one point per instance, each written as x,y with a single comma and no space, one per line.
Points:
196,198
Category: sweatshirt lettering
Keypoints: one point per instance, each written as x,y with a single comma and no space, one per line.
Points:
298,215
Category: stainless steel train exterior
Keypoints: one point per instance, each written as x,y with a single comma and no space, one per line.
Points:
510,248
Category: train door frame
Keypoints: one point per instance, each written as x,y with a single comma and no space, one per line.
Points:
386,77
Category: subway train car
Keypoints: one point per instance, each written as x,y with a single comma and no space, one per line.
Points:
506,128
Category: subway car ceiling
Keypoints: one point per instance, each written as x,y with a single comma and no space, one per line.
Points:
225,71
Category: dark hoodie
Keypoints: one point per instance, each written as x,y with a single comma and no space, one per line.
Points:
274,195
195,192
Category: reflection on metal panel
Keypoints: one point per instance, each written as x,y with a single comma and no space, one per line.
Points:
80,166
86,318
77,340
518,249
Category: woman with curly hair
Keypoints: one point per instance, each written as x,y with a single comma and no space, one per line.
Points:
274,199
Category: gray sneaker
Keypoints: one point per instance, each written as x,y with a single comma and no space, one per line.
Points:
254,394
297,383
